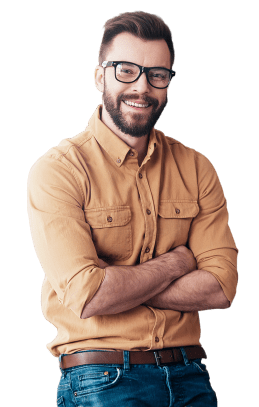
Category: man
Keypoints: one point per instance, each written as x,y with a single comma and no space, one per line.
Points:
131,229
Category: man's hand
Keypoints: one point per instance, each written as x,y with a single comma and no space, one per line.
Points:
186,256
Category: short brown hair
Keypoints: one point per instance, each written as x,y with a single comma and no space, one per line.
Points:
143,25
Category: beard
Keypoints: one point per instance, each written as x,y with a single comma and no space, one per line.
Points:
141,124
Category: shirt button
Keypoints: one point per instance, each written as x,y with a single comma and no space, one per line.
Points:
156,339
109,218
118,160
147,250
140,175
177,211
131,154
148,212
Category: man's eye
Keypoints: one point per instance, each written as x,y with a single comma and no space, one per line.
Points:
127,71
160,76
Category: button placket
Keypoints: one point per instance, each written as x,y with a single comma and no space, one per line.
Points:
159,329
147,207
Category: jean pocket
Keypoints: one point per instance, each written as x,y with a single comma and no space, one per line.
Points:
95,379
200,367
61,402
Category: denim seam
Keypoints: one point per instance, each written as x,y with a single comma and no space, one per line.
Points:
167,372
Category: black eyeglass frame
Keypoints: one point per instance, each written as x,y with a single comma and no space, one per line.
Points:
142,69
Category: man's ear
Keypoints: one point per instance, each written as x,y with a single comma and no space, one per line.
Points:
99,78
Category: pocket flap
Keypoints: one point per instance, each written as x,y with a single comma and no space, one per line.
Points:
108,217
178,209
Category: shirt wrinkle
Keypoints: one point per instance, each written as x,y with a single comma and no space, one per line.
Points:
127,215
75,177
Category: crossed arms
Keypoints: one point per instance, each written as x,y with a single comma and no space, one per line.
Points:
89,287
169,281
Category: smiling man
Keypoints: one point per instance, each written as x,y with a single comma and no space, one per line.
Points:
131,229
145,96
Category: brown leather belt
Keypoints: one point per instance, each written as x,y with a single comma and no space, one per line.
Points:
164,356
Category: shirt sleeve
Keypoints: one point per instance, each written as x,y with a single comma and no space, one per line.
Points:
61,236
210,238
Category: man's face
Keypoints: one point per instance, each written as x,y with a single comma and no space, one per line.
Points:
135,120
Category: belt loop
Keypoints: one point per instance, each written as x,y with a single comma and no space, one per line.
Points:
158,358
59,359
126,360
185,358
63,372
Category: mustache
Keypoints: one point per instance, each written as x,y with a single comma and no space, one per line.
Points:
144,98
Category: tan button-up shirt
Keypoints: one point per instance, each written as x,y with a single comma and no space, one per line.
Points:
88,199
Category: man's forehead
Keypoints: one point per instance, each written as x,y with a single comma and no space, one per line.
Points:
128,47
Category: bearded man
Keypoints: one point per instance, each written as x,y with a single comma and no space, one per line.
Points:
131,229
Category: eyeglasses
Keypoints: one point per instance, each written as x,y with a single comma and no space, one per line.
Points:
127,72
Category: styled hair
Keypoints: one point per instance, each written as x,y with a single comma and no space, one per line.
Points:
143,25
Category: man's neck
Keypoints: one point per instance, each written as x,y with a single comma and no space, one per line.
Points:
139,144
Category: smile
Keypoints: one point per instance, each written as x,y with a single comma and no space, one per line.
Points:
136,104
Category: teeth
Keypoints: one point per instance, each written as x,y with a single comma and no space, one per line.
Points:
135,104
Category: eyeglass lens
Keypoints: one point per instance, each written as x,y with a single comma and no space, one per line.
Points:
128,72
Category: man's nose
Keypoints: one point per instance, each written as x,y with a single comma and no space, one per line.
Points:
141,85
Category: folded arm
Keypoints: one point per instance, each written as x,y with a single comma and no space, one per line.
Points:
126,287
167,282
197,291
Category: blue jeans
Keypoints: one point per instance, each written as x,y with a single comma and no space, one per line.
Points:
180,384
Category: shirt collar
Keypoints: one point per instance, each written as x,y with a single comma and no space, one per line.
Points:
112,144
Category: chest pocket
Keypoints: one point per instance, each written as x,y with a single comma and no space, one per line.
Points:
173,223
111,232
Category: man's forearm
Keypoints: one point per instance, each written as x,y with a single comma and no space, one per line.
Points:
126,287
196,291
